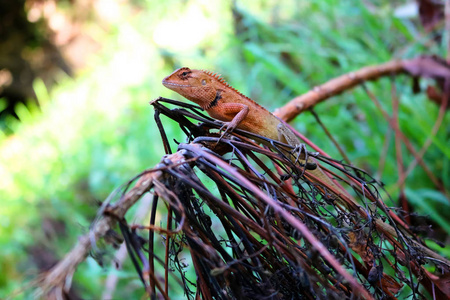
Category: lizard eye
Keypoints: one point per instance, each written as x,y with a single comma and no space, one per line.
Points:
203,82
185,74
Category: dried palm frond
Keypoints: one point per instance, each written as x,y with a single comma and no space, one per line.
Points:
254,233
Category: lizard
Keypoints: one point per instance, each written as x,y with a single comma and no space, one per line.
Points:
223,102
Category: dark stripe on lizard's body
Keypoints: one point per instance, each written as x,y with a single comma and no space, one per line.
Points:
215,101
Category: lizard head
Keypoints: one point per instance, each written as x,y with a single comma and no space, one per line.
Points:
195,85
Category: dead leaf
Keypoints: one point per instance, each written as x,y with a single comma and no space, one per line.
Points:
358,244
430,13
442,282
389,283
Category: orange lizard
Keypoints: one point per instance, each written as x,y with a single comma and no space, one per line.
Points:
223,102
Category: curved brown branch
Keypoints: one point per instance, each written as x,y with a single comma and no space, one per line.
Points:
423,66
336,86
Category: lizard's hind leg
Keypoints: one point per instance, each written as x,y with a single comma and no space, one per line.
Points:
300,150
286,135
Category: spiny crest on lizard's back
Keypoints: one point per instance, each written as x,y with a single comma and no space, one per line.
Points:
216,76
223,81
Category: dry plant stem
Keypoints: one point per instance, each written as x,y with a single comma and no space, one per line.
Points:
384,227
447,27
57,277
112,279
55,280
398,145
348,197
384,153
342,83
308,142
331,137
321,152
289,218
336,86
158,285
151,234
121,254
405,140
427,143
166,261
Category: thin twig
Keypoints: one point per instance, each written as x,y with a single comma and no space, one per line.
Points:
121,254
447,28
384,153
331,137
405,140
434,130
396,128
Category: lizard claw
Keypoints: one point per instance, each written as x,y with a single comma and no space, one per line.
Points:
228,128
302,148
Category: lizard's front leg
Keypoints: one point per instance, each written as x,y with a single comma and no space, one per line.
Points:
237,112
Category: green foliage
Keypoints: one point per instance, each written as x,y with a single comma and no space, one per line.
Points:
94,132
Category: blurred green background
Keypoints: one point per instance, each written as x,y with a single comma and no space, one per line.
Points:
90,129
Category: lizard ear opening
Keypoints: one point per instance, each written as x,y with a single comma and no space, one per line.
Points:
203,82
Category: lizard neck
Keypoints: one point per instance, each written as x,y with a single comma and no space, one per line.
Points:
221,84
215,101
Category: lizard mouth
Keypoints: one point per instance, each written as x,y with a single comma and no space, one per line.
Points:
171,84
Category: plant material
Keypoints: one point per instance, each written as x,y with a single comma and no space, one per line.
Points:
255,224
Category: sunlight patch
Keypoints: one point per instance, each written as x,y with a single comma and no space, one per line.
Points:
186,32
